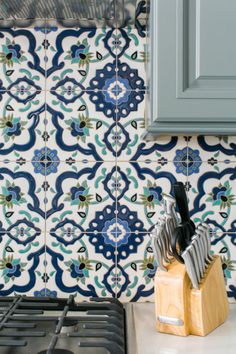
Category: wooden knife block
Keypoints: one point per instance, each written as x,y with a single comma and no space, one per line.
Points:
200,311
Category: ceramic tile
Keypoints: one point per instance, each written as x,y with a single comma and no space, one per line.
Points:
74,267
224,246
214,149
22,126
212,197
131,121
79,187
22,59
21,196
139,192
78,129
77,55
21,264
135,274
132,58
84,194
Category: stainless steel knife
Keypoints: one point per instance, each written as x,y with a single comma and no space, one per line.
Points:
196,264
203,243
159,228
200,256
166,237
205,228
157,251
189,263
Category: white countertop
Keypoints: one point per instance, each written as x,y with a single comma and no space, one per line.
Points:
149,341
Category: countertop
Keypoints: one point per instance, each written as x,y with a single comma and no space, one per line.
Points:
222,340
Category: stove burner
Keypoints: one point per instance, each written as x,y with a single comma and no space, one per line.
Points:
57,351
99,323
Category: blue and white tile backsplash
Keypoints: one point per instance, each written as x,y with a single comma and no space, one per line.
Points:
79,188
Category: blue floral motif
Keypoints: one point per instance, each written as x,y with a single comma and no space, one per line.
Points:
79,53
11,53
11,195
123,236
80,126
79,268
223,196
11,268
219,193
152,195
78,50
117,90
11,126
79,195
45,293
116,94
187,161
194,161
116,232
45,161
14,193
15,50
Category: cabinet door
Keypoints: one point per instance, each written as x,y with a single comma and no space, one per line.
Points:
193,64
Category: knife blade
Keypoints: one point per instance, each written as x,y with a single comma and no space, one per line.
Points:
196,265
157,251
206,230
162,240
199,253
203,242
165,233
188,260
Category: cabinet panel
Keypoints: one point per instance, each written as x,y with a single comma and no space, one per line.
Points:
215,29
193,83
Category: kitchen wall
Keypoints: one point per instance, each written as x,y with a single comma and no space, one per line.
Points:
79,188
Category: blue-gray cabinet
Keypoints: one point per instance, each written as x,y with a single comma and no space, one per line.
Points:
193,67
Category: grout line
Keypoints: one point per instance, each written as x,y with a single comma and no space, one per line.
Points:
45,176
59,90
147,161
116,174
87,233
187,161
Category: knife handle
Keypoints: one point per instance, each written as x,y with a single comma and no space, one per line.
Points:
182,203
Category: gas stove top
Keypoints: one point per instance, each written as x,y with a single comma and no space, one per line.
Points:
61,326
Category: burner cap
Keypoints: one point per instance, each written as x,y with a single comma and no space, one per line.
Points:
57,351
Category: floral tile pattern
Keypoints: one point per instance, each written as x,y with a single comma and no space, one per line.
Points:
22,198
212,196
22,126
73,266
22,261
77,193
22,59
79,187
78,129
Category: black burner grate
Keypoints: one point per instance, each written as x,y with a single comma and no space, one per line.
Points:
102,324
